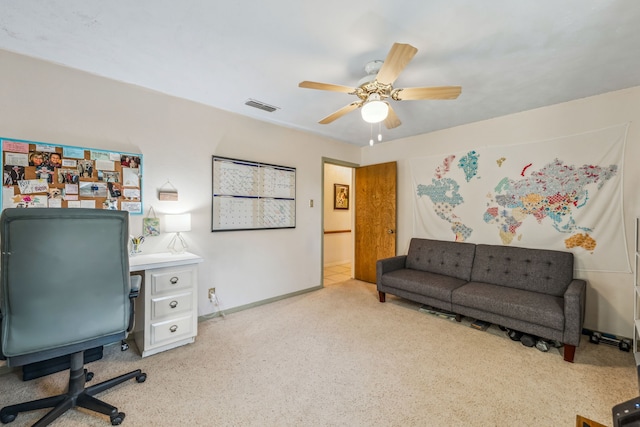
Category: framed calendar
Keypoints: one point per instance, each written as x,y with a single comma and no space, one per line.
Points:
250,195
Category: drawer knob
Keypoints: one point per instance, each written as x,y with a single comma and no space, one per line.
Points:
173,280
173,304
173,328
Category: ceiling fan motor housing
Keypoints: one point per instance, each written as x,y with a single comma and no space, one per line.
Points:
363,91
369,85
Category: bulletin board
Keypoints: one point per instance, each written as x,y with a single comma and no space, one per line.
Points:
251,195
40,175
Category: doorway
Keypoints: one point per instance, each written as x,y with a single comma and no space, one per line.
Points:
358,234
338,222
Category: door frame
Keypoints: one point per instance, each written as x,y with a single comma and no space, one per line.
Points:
336,162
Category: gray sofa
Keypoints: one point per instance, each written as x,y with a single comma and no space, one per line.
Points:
528,290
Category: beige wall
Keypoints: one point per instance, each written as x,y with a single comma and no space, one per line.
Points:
610,295
48,103
43,102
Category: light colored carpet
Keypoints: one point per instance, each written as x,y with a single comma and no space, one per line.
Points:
338,357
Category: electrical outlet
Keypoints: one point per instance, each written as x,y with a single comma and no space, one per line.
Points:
212,293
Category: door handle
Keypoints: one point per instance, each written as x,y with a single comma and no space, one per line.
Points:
390,231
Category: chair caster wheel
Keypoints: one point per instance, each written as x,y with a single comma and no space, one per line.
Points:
88,376
117,419
7,418
141,378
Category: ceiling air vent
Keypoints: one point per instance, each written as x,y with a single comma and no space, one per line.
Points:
261,105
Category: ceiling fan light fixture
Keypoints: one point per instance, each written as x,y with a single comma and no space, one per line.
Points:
374,110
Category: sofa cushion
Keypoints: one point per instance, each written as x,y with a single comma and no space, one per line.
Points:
424,283
538,270
534,307
436,256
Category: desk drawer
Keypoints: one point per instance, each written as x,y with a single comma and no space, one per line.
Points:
169,280
172,329
171,304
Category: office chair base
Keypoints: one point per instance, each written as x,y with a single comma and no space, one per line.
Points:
76,396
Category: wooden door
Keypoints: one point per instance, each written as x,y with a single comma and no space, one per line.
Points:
375,222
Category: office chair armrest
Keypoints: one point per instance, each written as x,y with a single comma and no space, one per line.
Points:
134,283
2,356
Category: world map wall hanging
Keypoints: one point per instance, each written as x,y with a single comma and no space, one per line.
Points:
561,194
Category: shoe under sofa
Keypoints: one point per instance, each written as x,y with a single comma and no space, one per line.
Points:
528,290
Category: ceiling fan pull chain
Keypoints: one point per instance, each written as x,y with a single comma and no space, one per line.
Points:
371,140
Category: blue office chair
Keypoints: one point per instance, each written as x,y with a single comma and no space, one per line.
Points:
65,288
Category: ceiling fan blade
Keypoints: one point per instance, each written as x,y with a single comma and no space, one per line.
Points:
341,112
415,93
392,120
397,58
326,86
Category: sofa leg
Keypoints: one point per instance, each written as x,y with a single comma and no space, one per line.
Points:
382,296
569,352
458,317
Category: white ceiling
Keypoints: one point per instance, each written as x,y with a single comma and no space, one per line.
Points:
507,55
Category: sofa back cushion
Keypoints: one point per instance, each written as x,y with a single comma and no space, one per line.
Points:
538,270
436,256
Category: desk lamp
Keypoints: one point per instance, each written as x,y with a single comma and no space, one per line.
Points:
177,224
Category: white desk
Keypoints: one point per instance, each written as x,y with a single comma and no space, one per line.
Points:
161,260
167,307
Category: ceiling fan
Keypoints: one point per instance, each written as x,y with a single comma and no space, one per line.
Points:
375,88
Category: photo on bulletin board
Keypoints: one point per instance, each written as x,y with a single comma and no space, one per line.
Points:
340,196
40,174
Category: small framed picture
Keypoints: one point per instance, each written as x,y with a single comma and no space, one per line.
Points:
340,196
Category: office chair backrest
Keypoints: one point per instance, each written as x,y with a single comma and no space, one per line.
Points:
65,280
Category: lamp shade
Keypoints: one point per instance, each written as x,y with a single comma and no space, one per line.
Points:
177,223
374,110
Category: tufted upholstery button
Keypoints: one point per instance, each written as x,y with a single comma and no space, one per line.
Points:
527,261
548,278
